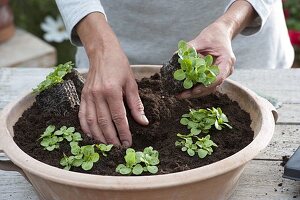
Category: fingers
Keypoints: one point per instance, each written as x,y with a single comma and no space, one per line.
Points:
118,115
135,104
104,120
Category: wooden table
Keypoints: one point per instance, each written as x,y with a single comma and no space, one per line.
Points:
262,178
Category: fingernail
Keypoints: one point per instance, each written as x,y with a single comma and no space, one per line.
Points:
144,118
125,143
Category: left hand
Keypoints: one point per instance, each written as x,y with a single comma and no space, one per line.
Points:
216,41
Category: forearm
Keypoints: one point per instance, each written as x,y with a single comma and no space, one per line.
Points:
96,35
237,17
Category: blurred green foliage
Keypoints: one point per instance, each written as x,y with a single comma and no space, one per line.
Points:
29,14
292,12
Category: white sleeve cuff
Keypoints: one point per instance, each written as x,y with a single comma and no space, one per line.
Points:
263,9
73,11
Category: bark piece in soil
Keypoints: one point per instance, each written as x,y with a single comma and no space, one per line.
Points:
59,99
77,79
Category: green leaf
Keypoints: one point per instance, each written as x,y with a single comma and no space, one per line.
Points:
58,132
183,148
68,167
215,69
202,153
69,138
179,75
152,169
76,137
50,129
94,157
125,170
209,60
195,131
187,84
191,152
70,129
87,166
217,125
50,148
77,162
184,121
137,170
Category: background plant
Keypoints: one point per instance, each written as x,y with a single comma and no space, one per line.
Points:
292,15
30,14
193,68
54,77
139,162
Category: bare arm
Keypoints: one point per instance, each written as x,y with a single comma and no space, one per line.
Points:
102,111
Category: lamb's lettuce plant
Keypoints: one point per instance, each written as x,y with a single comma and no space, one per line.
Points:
139,162
84,156
193,144
103,148
202,120
51,138
193,68
50,141
54,77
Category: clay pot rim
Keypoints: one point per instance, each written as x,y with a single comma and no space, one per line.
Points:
33,166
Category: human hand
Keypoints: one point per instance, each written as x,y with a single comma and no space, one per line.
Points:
216,41
102,112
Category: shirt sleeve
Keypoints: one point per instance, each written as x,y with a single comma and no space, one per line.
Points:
263,9
73,11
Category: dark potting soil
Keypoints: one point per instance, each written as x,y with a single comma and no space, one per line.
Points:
163,112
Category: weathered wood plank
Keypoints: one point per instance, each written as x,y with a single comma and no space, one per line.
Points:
14,186
280,84
285,142
261,180
289,114
28,50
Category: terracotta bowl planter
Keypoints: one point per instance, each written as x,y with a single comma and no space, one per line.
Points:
210,182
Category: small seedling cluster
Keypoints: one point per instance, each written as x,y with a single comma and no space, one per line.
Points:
51,138
84,156
54,77
201,121
193,68
139,162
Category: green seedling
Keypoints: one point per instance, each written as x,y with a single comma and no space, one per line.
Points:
49,140
193,68
193,144
103,148
69,134
202,120
84,156
139,162
54,77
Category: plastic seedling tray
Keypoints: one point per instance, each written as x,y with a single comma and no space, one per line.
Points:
292,167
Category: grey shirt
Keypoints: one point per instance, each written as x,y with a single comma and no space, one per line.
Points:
149,30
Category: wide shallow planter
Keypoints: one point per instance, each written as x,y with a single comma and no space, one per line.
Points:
211,182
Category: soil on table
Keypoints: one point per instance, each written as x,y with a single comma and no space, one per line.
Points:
163,112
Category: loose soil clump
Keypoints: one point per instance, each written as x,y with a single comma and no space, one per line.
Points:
163,111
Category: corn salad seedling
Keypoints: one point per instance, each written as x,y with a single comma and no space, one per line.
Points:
202,120
51,138
193,68
139,162
54,77
193,144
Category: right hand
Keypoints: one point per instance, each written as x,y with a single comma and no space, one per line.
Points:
102,112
